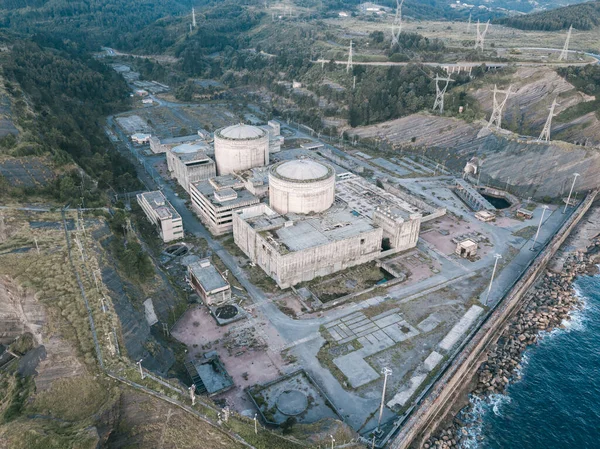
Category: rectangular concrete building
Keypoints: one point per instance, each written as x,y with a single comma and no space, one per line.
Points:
190,166
162,214
216,199
209,283
364,223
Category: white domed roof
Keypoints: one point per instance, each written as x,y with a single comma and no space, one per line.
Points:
241,131
302,170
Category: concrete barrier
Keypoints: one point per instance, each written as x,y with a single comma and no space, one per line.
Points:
430,413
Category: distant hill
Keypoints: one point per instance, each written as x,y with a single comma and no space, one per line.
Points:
583,16
95,22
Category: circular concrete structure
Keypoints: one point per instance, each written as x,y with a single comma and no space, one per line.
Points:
301,186
240,147
292,402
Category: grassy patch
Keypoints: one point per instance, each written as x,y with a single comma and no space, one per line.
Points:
73,399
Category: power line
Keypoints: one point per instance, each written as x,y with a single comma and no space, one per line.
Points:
564,54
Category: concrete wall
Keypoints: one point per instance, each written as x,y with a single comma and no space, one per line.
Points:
436,405
301,266
185,174
403,234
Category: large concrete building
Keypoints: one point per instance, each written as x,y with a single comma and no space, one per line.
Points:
240,147
162,214
301,186
216,199
189,163
363,223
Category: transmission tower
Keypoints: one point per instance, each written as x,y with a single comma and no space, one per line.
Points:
349,64
397,24
469,24
496,117
564,54
193,18
481,35
545,135
440,92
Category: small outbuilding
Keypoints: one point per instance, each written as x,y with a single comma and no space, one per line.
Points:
485,216
524,213
466,249
209,283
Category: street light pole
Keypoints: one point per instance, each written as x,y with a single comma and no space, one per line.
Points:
255,424
386,372
544,209
141,370
332,441
497,257
575,175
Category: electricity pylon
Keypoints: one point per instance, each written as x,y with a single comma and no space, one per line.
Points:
469,24
481,35
564,54
397,24
545,135
496,117
440,92
349,64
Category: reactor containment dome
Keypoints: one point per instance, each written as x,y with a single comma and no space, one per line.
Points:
241,147
301,186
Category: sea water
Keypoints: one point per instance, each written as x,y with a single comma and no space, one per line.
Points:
556,402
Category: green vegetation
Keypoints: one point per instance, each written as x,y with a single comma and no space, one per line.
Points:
584,16
587,80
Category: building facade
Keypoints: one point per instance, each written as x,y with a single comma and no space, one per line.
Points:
216,199
209,283
162,214
188,163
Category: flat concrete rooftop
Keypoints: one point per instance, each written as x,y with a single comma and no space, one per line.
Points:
364,197
160,205
208,190
208,275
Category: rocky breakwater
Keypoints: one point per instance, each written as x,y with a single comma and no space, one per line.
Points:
547,307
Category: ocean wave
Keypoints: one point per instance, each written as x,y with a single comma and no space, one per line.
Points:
475,417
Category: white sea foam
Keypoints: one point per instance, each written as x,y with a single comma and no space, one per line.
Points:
473,431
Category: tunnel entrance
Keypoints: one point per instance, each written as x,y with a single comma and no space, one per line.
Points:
497,201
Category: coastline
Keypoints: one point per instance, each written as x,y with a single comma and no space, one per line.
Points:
549,305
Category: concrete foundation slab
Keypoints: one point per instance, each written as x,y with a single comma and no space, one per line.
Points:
356,369
429,323
460,328
432,360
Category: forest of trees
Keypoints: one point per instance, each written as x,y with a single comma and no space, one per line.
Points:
71,93
584,16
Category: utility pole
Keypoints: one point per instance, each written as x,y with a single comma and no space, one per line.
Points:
36,245
397,24
139,364
354,83
545,135
544,209
349,64
564,54
386,372
193,18
440,92
469,24
255,425
332,441
479,41
497,257
496,117
575,175
193,394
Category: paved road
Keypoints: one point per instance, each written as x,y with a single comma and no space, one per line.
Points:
595,57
